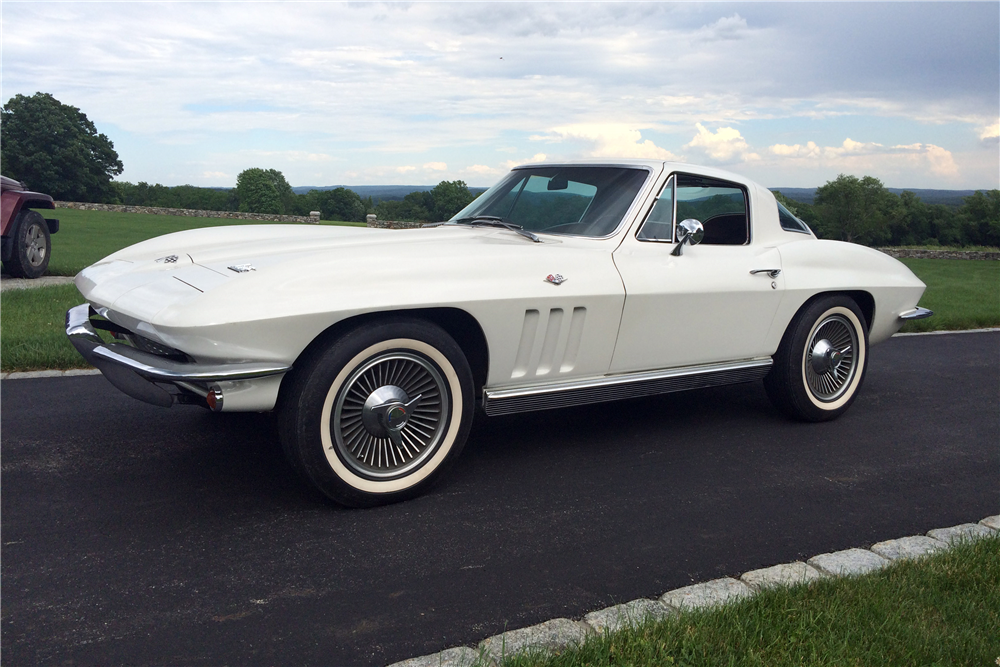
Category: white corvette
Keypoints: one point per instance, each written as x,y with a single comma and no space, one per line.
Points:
564,284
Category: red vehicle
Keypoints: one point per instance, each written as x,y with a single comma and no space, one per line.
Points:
26,243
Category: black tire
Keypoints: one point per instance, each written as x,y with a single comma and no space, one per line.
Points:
380,413
821,362
32,246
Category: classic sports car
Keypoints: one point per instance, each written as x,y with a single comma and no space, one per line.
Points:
564,284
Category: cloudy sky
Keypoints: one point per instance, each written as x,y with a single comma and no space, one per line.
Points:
790,94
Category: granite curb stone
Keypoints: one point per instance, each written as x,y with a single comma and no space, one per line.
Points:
992,522
849,562
709,594
548,637
630,614
913,546
461,656
31,375
964,531
786,574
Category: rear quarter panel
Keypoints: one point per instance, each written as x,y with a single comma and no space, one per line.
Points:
812,267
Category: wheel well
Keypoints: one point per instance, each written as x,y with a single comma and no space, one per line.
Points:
459,324
865,301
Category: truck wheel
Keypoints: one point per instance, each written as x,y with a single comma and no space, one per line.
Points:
29,256
380,413
821,362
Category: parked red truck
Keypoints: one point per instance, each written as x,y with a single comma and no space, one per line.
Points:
26,244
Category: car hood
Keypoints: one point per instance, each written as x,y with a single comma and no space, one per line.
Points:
247,273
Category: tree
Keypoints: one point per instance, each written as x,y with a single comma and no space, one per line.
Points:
981,217
260,191
449,198
855,210
341,204
56,149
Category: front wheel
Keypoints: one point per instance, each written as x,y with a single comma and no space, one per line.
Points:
380,413
821,362
29,256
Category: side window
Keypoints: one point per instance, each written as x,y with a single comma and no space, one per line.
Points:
790,223
719,205
659,224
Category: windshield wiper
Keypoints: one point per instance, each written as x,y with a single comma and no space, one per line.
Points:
496,221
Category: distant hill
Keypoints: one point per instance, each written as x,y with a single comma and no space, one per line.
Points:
377,192
947,197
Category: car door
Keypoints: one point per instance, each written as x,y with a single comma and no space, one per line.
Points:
712,302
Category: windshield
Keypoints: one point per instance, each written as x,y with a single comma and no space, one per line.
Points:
580,201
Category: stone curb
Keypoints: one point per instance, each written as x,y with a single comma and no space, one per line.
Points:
31,375
562,633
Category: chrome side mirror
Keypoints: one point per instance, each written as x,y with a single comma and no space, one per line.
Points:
689,231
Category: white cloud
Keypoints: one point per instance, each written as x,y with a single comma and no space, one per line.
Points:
607,140
855,155
726,145
991,134
436,166
404,169
215,176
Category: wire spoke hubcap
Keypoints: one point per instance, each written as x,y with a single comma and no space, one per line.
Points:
831,358
390,415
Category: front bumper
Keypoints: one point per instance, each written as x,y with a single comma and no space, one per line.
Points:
161,381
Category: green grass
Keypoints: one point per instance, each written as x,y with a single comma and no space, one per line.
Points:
941,610
85,237
33,329
964,294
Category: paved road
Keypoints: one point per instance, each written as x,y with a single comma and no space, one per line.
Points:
136,535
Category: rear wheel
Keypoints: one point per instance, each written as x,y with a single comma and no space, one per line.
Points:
821,362
379,414
29,256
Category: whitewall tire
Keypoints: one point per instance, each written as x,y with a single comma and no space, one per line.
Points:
379,414
820,366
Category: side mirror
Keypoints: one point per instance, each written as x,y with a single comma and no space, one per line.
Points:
689,231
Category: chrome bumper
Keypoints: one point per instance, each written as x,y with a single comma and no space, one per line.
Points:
915,314
140,374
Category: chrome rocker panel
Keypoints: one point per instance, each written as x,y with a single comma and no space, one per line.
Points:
139,374
612,388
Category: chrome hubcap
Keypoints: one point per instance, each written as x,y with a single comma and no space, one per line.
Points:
391,415
831,359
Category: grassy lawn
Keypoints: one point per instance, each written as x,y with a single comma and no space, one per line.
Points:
33,329
964,294
941,610
84,237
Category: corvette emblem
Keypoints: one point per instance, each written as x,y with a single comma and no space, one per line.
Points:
241,268
555,278
169,259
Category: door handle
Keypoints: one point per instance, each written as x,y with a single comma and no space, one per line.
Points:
771,273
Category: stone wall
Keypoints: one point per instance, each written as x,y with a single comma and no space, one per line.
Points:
919,253
186,212
393,224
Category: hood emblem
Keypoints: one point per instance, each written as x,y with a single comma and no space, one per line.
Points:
241,268
555,278
169,259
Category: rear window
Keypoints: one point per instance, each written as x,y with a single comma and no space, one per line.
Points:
790,223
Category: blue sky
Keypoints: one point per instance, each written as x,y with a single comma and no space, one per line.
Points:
790,94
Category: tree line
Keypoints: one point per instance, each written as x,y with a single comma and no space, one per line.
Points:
56,149
863,210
